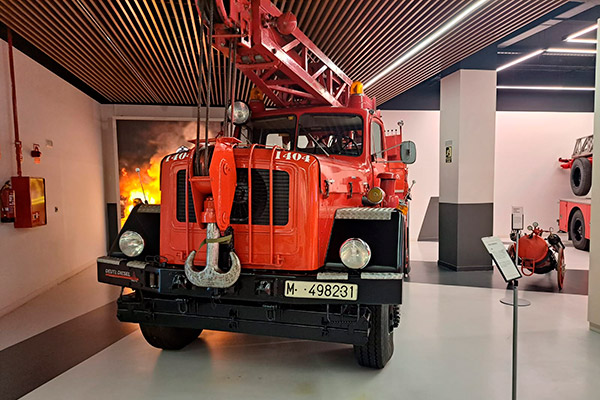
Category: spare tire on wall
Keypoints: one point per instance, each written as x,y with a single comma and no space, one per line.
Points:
581,176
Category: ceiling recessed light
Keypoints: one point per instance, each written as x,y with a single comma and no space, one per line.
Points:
435,35
520,59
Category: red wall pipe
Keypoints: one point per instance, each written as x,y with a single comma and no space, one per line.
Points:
18,144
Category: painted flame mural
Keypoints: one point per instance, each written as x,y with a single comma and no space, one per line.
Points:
143,144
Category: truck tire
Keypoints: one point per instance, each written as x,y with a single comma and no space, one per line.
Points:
581,176
577,231
168,338
380,345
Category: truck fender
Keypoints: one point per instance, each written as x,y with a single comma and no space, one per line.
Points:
382,228
145,220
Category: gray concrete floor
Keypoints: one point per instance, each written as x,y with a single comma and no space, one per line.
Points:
453,342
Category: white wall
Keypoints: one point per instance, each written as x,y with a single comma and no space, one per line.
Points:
423,128
527,173
33,260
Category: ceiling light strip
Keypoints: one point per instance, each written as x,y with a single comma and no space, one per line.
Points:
414,31
428,40
520,60
572,88
574,51
446,55
408,28
575,36
586,41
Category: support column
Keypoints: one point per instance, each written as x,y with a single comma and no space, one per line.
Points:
467,139
594,276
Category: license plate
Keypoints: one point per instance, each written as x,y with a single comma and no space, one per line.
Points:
321,290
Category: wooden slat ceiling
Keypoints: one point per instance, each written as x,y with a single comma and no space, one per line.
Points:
145,51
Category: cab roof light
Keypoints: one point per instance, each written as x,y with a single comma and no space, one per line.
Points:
256,94
356,88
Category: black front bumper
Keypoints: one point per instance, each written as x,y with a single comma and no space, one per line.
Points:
328,323
254,286
255,304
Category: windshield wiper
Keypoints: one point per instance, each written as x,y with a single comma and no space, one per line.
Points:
317,143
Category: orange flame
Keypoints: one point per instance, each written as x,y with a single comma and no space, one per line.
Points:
170,135
131,189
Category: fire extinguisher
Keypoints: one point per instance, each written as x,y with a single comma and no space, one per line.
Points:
7,203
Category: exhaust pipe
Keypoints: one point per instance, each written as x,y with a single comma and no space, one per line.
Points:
211,275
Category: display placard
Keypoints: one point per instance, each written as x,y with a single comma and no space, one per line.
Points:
517,219
505,264
448,145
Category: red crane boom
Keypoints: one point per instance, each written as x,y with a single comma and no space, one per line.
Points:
277,56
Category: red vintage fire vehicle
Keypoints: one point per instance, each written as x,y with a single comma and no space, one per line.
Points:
580,165
538,255
575,214
574,218
291,223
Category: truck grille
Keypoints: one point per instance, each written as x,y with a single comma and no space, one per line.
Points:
260,197
181,199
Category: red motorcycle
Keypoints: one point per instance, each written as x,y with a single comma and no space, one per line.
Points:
538,255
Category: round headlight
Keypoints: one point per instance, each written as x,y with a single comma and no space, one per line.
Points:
131,243
355,253
241,112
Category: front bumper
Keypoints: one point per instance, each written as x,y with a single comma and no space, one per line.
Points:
253,285
340,324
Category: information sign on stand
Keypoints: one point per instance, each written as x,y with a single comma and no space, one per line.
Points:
505,264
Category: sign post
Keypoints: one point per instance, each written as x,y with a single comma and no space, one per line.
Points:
511,274
517,222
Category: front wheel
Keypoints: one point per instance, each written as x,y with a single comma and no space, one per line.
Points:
577,231
167,337
380,345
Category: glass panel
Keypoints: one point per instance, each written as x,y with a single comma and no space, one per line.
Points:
271,131
333,134
279,139
376,139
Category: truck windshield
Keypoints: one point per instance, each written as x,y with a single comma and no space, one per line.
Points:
271,131
331,134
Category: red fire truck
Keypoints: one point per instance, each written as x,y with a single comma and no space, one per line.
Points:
293,222
575,213
575,220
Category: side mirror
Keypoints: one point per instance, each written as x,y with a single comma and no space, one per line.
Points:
408,152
